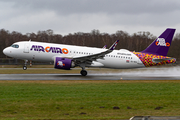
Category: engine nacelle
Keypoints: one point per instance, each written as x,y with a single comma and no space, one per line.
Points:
63,63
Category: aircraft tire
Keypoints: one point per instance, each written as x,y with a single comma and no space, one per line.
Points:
24,68
83,72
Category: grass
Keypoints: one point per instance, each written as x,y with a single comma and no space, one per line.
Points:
38,71
88,99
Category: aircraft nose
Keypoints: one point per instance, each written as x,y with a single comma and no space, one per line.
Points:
6,51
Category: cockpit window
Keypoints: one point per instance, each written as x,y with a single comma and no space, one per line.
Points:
15,46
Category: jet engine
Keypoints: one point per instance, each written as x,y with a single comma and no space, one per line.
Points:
63,63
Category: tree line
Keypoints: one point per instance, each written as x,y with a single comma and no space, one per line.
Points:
135,42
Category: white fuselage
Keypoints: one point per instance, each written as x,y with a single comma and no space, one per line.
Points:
40,51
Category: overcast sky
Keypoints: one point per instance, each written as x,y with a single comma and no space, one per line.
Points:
107,16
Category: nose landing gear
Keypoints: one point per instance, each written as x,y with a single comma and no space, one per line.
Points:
24,67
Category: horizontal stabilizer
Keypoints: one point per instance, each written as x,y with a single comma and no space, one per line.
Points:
157,60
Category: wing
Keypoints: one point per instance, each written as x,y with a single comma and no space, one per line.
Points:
88,59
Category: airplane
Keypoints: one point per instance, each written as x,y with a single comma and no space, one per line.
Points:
69,56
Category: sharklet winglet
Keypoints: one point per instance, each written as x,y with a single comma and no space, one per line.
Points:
114,45
104,47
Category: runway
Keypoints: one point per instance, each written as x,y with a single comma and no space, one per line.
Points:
154,73
79,77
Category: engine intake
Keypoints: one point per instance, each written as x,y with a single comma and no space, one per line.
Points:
63,63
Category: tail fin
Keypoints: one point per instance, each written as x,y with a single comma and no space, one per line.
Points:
161,45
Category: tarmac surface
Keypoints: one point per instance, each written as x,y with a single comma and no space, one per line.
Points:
154,73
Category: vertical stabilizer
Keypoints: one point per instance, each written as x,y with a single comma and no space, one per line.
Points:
161,45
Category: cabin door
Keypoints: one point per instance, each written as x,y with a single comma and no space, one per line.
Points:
26,48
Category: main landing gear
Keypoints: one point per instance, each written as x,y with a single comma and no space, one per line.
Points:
83,72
